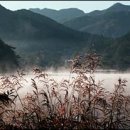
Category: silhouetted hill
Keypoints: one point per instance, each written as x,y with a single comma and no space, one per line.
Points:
8,58
112,22
59,15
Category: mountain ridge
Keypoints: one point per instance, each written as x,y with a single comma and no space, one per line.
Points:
61,15
111,22
42,41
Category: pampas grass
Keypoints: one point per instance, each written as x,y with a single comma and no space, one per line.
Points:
76,103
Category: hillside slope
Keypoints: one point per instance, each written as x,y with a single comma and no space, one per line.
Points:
112,22
8,58
41,40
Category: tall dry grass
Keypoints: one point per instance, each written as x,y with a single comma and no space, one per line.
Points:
77,103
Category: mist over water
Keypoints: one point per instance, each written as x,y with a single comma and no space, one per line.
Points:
108,80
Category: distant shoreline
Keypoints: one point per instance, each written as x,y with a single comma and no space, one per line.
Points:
111,71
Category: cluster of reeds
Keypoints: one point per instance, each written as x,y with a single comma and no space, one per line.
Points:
75,103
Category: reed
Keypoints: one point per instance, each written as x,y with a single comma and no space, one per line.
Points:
75,103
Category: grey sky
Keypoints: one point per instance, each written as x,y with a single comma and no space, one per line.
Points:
86,6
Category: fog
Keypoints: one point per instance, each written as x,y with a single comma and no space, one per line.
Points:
108,80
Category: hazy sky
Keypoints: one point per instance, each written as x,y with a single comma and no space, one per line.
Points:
86,6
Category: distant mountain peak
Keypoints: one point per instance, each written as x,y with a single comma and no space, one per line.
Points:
119,7
118,4
72,9
60,15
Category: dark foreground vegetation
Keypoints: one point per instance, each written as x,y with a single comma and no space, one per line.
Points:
77,103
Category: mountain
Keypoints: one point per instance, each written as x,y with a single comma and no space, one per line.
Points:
42,41
59,15
118,54
24,24
8,58
118,7
111,22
